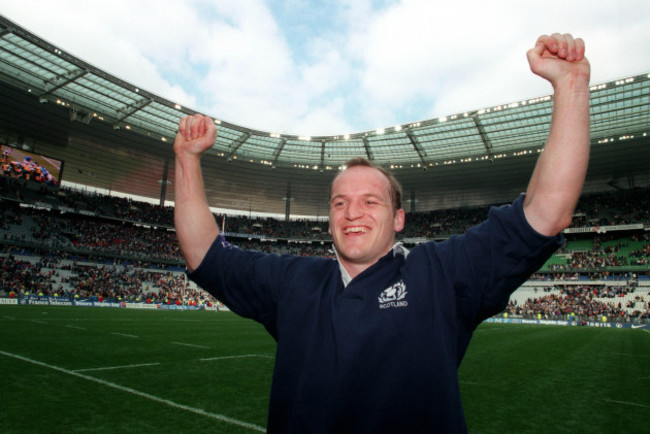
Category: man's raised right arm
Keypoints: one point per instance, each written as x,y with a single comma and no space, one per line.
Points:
196,227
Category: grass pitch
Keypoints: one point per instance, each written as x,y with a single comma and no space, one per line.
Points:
75,369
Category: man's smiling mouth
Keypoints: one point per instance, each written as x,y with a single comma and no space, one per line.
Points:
355,229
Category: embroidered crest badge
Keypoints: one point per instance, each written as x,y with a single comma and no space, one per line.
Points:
393,296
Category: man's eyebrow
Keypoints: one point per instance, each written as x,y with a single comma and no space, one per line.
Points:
376,196
365,196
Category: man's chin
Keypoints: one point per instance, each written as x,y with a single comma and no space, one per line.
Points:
351,257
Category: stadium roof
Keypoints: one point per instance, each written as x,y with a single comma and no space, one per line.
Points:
267,170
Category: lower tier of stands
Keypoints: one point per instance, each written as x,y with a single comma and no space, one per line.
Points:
618,298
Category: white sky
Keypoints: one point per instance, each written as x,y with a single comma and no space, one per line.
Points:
338,66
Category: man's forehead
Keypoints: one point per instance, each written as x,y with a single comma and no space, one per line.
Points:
361,180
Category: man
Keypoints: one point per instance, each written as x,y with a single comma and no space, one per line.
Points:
371,341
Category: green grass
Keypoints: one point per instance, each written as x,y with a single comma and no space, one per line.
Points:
514,379
532,379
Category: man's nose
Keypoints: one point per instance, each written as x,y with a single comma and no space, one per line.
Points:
353,211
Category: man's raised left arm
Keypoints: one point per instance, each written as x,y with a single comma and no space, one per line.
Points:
556,183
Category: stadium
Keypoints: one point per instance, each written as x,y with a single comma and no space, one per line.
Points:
167,356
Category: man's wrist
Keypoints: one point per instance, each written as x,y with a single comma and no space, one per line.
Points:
185,157
572,92
572,83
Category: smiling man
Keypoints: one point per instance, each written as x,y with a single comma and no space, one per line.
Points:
365,213
371,342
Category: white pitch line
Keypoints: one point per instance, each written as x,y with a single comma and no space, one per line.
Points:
54,163
190,345
124,334
75,327
236,357
141,394
115,367
627,403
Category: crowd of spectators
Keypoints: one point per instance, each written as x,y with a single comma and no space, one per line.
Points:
442,223
584,303
608,252
593,259
126,240
575,276
74,232
598,209
48,277
18,276
620,207
641,256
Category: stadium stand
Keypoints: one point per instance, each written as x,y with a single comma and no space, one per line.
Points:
66,243
58,240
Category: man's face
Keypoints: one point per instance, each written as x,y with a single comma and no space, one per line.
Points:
361,219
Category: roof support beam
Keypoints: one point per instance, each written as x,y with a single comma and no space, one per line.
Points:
366,145
278,151
240,141
484,137
418,148
130,110
63,80
322,156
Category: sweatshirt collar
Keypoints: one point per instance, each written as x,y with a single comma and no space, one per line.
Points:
398,249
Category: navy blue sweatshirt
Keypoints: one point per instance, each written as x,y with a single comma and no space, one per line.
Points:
380,355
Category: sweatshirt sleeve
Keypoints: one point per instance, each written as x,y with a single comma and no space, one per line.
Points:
494,258
245,281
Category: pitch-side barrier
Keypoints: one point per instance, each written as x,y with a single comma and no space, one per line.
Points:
604,324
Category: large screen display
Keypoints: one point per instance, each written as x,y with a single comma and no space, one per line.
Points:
17,163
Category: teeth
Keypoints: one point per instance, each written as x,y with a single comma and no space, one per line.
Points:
357,229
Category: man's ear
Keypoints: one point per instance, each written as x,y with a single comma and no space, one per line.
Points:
398,224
